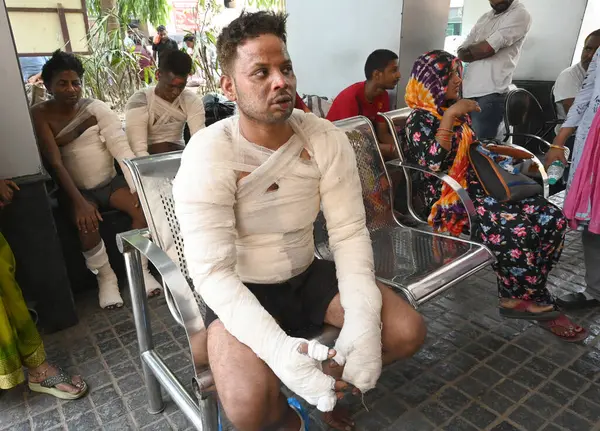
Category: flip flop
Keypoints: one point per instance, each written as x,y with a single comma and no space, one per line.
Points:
297,407
48,386
579,332
521,311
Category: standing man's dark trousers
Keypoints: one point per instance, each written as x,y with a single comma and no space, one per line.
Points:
486,122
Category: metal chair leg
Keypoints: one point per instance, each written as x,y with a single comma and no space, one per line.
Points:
209,405
141,317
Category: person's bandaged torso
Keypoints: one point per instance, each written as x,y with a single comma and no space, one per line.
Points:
246,215
90,157
152,120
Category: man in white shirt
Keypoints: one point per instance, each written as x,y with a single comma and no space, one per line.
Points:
493,48
246,195
570,80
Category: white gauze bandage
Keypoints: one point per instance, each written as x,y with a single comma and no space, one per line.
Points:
89,158
150,120
359,343
238,231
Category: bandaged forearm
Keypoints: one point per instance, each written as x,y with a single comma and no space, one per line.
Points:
196,118
359,343
204,194
112,131
136,126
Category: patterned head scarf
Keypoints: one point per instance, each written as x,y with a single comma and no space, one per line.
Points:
426,90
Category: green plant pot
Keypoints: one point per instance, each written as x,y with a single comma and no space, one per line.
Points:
230,3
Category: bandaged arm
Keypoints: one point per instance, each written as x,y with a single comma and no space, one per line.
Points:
111,130
204,192
359,343
196,117
136,123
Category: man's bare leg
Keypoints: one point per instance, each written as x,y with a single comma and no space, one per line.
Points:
403,333
248,390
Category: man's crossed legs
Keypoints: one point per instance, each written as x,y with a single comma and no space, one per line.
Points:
249,391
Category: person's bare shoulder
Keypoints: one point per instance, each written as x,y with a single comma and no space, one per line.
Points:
40,111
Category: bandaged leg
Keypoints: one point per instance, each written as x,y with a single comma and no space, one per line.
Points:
96,260
153,287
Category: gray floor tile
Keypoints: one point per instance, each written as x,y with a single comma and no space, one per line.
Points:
103,395
570,421
542,405
478,415
85,421
111,411
46,420
527,419
74,408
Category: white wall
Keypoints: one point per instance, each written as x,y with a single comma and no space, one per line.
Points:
329,40
551,42
18,150
424,25
591,22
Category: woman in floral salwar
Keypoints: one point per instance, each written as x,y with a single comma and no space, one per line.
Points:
526,236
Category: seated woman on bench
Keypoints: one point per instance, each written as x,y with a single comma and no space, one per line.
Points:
526,236
156,116
79,140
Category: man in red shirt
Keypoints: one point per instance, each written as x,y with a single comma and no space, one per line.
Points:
370,97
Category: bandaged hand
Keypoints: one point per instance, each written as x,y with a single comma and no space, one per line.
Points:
359,351
359,345
301,372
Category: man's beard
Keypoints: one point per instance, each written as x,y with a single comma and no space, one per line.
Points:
502,7
250,110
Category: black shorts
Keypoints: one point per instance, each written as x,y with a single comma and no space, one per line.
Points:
100,196
299,304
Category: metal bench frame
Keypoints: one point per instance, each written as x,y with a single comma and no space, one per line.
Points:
401,115
429,287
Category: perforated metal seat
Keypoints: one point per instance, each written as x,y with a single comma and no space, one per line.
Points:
415,262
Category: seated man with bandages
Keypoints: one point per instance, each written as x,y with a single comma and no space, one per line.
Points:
156,116
79,140
246,196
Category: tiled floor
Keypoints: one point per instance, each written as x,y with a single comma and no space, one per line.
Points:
476,372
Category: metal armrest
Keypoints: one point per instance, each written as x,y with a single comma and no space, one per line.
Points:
462,193
179,296
528,135
539,164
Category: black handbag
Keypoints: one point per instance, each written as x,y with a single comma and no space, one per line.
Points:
498,182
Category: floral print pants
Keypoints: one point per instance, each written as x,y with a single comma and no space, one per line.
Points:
527,239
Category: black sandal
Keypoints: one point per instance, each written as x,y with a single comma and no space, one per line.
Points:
521,311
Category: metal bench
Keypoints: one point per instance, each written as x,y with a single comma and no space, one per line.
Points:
417,263
396,121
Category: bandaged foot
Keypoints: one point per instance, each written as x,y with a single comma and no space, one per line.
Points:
96,260
153,287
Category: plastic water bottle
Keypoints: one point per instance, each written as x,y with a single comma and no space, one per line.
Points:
557,168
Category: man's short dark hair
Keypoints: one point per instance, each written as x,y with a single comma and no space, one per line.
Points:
248,26
593,34
177,62
378,60
189,38
161,28
59,62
